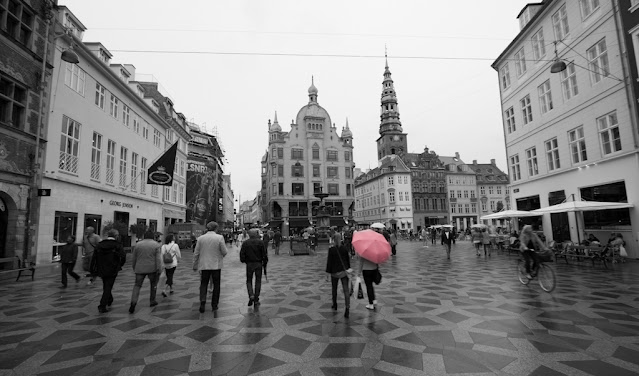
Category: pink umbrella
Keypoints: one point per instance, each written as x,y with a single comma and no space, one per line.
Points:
371,245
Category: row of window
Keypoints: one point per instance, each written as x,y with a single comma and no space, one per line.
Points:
298,154
424,187
119,169
297,189
472,207
390,180
428,175
18,21
434,204
609,141
465,180
298,171
380,199
561,31
75,79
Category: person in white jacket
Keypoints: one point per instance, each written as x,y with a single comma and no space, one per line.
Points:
208,261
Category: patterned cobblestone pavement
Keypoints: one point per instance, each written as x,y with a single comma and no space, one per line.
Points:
467,315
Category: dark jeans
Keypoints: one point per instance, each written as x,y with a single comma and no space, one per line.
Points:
67,267
107,287
169,276
531,256
369,275
345,287
394,249
139,278
254,268
204,284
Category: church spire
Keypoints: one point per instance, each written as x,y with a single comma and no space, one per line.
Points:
389,113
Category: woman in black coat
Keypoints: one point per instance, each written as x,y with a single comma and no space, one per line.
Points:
339,266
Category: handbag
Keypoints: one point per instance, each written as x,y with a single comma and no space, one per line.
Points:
377,279
622,251
358,287
167,257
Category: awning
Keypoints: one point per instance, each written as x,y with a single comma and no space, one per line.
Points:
337,222
575,206
276,223
298,222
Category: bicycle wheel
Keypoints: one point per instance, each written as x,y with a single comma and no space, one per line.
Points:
521,272
546,277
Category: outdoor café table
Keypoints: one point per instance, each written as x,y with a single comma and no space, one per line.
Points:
591,252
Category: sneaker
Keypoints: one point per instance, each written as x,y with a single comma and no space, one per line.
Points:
250,303
370,306
529,276
164,294
153,303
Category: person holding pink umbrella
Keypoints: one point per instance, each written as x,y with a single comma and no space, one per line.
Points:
373,248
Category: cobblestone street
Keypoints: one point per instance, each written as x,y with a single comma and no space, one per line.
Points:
435,316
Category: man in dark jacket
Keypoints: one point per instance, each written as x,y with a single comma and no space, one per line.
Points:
68,257
447,239
108,259
254,254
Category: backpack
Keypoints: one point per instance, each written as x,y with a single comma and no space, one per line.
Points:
167,258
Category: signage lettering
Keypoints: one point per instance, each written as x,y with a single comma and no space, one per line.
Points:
121,204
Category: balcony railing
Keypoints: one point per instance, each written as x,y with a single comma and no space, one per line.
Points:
68,162
109,175
95,171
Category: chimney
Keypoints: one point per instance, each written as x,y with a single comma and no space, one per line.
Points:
457,155
492,162
474,161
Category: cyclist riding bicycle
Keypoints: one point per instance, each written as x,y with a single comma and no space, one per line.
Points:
529,244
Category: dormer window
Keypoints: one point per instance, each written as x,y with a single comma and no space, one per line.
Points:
155,105
102,55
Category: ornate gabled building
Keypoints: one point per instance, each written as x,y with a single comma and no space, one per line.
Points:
428,188
311,158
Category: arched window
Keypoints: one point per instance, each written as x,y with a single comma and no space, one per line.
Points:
433,187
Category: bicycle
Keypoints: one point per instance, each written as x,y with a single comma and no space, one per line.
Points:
544,273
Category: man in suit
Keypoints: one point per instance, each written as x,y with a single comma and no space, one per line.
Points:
447,239
208,260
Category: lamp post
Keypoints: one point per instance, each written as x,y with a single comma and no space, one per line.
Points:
70,57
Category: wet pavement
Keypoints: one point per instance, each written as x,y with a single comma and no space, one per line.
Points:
467,315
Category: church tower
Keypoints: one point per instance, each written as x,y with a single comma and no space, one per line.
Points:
392,139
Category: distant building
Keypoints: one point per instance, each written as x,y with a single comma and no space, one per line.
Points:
205,185
570,116
308,159
383,195
492,190
462,188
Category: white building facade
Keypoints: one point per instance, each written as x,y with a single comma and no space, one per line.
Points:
383,195
571,135
103,135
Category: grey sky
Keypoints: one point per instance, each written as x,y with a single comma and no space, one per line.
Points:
447,104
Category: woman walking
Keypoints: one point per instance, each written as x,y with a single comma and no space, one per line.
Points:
338,264
477,240
485,239
368,270
169,249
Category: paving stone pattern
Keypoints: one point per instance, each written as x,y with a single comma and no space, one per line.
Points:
468,315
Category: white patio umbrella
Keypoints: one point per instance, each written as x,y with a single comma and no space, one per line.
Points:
582,206
510,214
575,206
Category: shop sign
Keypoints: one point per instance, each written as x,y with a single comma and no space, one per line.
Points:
120,204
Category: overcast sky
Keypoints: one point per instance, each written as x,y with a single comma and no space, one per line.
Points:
230,65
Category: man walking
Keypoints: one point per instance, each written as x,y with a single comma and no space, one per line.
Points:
108,259
277,240
147,262
447,239
255,256
90,242
208,260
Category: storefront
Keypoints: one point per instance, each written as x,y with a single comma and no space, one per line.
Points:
72,208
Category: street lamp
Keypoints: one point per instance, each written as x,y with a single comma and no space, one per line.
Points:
71,57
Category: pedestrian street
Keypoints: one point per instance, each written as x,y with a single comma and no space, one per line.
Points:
468,315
